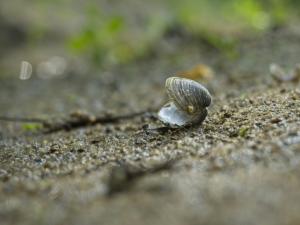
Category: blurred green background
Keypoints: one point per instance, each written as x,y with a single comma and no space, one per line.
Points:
106,33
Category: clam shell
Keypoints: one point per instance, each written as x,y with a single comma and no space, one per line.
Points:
188,95
188,102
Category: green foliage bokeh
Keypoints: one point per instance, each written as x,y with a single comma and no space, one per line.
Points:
109,38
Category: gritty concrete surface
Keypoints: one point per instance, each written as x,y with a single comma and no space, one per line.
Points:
241,166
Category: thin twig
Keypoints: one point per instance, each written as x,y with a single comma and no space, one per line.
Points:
73,122
122,177
89,121
21,119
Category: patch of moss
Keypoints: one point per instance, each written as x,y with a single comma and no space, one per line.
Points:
31,126
243,131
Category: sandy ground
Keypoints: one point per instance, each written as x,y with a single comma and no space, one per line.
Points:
241,166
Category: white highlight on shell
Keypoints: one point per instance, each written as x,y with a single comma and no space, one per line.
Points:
170,114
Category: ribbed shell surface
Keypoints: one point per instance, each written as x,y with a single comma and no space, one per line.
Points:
185,93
